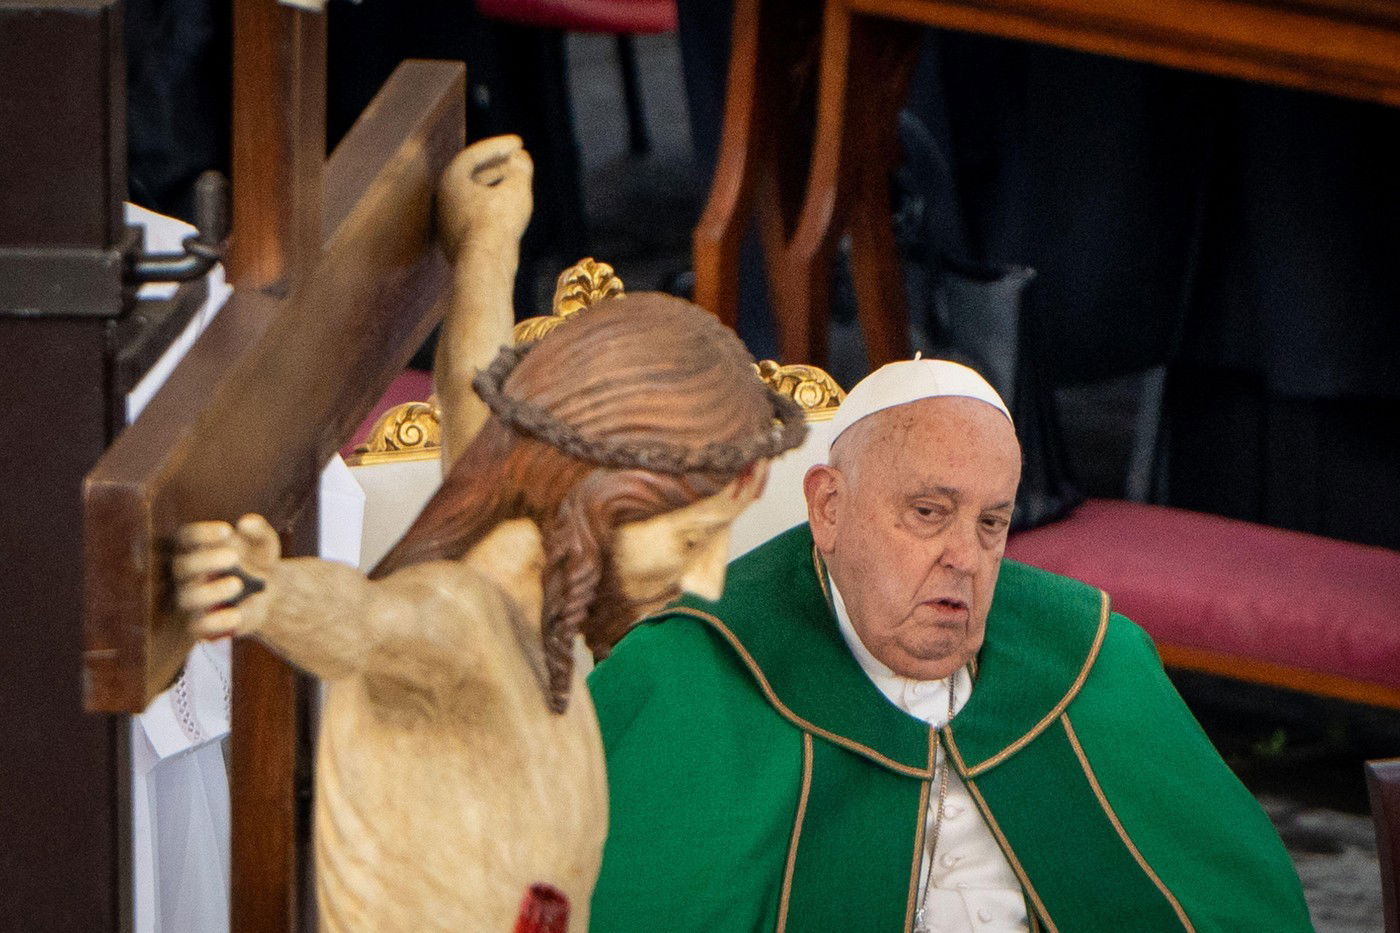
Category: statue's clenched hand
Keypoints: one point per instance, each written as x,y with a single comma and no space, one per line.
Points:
485,194
221,574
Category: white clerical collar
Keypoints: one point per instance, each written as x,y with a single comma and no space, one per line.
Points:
924,699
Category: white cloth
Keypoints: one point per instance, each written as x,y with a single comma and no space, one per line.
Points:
908,381
180,802
179,777
165,235
971,886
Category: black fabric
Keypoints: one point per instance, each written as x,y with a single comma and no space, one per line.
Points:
1326,466
1242,234
179,70
1089,170
178,98
517,82
1296,281
979,315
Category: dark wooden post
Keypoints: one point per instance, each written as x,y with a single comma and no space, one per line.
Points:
279,144
62,181
336,285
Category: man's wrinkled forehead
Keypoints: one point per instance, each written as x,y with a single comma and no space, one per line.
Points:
886,436
880,430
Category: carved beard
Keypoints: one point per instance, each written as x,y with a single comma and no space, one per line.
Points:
613,615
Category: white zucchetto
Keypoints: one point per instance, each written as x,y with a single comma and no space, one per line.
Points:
910,381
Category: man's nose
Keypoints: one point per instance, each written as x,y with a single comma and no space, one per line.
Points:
960,547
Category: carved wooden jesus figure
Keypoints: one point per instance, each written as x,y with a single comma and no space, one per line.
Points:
589,478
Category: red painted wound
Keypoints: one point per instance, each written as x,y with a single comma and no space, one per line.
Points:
544,909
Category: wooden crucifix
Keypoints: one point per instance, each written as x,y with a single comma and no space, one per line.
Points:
336,282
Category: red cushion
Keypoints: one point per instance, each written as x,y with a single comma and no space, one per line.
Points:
1249,591
411,385
631,16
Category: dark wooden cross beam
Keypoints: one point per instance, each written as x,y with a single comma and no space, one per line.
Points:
336,283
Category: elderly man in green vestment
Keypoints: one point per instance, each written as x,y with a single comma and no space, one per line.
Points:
884,725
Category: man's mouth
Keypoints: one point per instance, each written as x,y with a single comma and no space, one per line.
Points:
948,608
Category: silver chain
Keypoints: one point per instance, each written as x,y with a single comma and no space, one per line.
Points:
941,775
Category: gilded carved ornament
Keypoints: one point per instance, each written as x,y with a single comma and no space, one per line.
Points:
579,286
411,431
815,392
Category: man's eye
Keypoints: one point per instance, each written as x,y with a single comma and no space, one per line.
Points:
994,524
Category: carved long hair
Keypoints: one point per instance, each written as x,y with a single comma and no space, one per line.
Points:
630,372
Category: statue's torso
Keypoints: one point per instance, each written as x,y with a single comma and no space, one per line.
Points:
438,808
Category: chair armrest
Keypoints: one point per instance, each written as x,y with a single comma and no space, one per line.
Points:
1383,783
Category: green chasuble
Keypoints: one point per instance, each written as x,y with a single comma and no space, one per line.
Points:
760,781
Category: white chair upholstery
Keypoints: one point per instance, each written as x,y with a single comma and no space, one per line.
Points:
782,504
395,492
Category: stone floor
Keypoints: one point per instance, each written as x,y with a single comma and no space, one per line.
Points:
1302,760
1335,854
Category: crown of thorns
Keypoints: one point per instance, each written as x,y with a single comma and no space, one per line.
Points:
787,431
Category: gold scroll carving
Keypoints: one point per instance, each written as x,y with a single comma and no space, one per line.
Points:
411,431
815,392
583,284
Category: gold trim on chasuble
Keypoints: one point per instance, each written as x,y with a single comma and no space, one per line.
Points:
767,690
1005,845
796,830
1055,711
819,568
911,902
1118,826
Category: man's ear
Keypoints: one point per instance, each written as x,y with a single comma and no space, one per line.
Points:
822,486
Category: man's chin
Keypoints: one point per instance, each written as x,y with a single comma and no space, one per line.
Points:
933,660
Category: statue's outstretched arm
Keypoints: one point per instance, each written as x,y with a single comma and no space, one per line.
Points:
323,616
483,206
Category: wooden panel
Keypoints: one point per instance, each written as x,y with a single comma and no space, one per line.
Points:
1278,675
63,773
1383,783
1345,47
729,209
61,807
62,186
270,377
865,67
